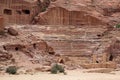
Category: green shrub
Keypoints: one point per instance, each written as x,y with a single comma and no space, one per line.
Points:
11,70
54,69
60,69
57,68
117,26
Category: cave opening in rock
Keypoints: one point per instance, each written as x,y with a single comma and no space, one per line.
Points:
26,11
34,46
16,48
51,53
98,35
111,58
97,61
7,11
4,48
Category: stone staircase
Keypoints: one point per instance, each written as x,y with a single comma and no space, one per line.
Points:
78,43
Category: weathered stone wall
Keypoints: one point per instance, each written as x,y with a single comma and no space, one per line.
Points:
114,52
73,41
19,12
1,23
71,48
62,16
109,7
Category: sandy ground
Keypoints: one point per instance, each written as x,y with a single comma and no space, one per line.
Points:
71,75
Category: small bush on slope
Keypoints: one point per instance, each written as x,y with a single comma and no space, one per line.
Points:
11,70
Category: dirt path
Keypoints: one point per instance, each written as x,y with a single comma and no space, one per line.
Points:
71,75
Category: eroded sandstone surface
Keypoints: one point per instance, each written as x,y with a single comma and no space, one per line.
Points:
76,33
75,47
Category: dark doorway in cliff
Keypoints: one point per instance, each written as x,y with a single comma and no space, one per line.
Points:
99,35
34,46
4,47
51,53
26,11
97,61
16,48
111,58
7,11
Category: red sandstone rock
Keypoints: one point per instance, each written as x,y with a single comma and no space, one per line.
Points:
1,23
77,42
4,56
108,6
25,10
12,32
41,45
71,12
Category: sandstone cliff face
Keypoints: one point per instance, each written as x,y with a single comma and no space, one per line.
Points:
79,44
1,23
43,45
78,29
80,12
61,16
109,7
25,50
93,22
70,12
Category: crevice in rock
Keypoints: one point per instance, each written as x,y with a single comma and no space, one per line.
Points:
111,58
